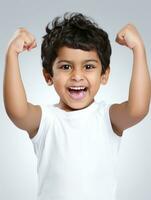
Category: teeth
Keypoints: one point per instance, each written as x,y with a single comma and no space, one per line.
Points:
77,88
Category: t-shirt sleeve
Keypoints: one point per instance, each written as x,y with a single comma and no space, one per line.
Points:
108,119
106,116
114,139
39,139
41,125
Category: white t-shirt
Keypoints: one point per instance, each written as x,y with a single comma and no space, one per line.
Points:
77,154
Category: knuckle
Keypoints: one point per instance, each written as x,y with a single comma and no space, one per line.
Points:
22,29
130,25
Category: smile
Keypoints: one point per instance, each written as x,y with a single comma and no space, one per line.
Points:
77,92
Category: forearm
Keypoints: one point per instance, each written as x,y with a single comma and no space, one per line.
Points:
14,93
140,85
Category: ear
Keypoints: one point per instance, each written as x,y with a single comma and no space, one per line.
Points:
48,77
105,76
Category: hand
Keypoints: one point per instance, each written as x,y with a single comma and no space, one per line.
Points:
129,36
21,41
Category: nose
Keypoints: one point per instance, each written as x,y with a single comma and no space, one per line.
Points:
77,75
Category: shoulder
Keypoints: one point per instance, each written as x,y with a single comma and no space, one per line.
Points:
45,119
105,109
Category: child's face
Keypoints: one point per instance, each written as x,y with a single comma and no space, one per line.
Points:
77,77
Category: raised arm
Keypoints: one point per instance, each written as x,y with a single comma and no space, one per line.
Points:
22,113
133,110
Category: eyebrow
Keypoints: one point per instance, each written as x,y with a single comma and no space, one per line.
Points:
85,61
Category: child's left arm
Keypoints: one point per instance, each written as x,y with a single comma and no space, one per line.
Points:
130,112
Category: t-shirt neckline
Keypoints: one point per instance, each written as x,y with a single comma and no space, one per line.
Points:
89,108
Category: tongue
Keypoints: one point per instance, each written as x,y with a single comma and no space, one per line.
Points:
77,94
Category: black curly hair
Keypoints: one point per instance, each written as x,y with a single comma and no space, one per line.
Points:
74,31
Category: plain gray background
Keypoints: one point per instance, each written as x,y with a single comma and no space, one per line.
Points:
18,178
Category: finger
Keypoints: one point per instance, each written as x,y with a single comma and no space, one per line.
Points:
27,36
26,45
120,35
28,41
32,37
121,38
33,45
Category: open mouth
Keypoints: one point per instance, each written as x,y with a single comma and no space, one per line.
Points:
77,92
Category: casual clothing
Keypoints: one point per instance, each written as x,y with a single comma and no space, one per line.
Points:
77,154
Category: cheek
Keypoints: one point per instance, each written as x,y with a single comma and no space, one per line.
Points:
95,79
59,88
59,82
60,76
95,82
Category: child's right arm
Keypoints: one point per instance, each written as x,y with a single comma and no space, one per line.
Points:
22,113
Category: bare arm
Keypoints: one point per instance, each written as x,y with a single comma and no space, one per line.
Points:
22,113
133,110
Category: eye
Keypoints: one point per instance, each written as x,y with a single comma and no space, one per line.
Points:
65,67
89,66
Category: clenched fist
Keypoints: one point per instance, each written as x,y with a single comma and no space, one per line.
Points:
129,36
22,40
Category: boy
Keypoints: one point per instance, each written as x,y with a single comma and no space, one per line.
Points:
76,141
